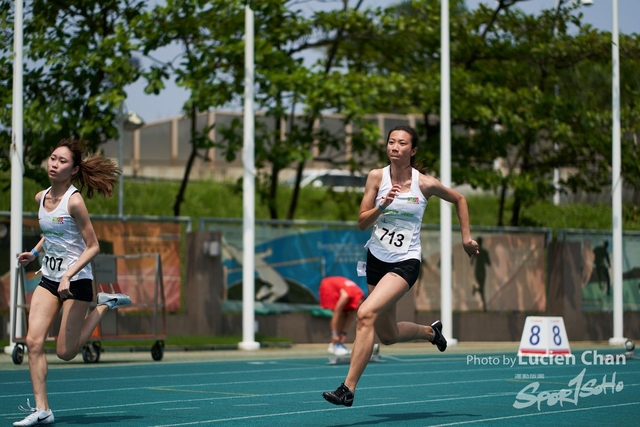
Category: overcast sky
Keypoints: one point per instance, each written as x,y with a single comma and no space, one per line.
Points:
169,102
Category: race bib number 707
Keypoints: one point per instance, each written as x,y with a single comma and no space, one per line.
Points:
54,262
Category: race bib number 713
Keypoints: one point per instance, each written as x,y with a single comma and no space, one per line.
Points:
394,234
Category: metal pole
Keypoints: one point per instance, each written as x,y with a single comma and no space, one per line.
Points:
616,185
121,119
445,176
556,171
248,195
17,172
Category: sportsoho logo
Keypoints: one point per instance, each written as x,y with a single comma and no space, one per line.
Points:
577,389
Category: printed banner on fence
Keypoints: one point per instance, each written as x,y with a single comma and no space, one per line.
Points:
135,277
30,236
289,268
596,271
507,274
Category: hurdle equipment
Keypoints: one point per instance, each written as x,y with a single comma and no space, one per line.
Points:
342,360
544,336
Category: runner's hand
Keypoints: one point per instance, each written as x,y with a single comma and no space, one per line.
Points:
471,248
391,195
25,258
63,288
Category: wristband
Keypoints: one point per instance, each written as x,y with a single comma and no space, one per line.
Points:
382,208
34,252
334,334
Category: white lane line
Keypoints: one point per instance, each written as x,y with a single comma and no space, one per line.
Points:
181,409
275,380
257,404
340,408
536,414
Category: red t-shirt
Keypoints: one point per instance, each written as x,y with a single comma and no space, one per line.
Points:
330,292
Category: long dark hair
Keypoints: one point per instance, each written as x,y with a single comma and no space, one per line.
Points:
97,173
414,139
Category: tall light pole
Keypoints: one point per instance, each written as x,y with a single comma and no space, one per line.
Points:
126,121
616,184
121,120
248,193
556,91
17,172
445,177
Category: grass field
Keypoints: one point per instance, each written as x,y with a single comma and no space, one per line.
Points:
190,341
157,197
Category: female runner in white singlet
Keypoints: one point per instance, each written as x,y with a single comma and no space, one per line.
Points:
394,201
68,245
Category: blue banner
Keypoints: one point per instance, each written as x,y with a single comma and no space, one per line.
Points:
289,268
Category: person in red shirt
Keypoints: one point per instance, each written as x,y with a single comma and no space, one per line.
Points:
343,296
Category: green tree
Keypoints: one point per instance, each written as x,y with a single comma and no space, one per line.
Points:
505,67
210,37
294,93
541,97
77,61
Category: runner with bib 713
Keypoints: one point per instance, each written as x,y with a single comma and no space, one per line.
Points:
394,201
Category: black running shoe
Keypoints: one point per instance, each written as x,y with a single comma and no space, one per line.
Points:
342,396
438,338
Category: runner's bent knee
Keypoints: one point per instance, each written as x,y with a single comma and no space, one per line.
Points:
388,339
66,354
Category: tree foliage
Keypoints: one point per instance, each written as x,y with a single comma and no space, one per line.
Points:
532,91
77,61
294,91
209,35
519,92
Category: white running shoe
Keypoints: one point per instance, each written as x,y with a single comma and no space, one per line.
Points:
113,301
341,350
36,417
332,348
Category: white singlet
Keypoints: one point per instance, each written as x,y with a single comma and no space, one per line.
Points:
63,243
396,233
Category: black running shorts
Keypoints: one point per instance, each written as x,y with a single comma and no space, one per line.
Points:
81,290
376,269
